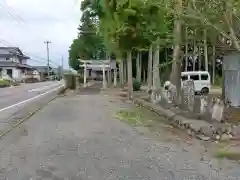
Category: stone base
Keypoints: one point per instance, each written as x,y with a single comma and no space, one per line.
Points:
198,128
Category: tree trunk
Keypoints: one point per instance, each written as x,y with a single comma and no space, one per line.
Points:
205,50
124,72
186,49
194,51
150,67
214,65
85,75
129,74
199,58
104,83
138,67
108,78
156,77
121,72
176,70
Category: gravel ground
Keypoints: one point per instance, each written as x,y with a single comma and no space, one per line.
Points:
79,137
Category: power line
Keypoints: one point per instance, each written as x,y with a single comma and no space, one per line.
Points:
19,21
6,43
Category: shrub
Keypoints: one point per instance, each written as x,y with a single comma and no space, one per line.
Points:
136,85
4,83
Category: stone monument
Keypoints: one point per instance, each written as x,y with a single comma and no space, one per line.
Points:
188,94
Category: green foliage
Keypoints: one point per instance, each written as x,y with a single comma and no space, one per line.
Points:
136,85
132,117
88,44
4,83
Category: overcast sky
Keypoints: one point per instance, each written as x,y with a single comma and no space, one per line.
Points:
33,21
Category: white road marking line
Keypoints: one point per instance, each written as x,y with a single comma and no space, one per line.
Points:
30,99
43,88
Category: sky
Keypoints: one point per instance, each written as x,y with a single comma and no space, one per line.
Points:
28,23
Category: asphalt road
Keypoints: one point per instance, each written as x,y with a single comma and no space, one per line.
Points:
80,138
19,100
14,95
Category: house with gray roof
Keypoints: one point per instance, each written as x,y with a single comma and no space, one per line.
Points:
13,63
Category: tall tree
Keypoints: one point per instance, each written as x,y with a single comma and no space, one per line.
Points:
88,44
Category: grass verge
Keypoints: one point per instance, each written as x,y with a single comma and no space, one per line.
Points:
132,117
225,154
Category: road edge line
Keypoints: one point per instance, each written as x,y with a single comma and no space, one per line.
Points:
4,133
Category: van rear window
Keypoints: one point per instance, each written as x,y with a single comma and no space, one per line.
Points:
204,77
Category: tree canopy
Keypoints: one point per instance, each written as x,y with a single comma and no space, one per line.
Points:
88,44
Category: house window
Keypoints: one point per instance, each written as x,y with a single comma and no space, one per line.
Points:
9,72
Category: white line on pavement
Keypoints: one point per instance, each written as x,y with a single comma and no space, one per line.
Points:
43,88
30,99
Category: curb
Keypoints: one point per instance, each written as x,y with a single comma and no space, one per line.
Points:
23,119
175,120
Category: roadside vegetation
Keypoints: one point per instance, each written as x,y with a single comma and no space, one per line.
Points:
154,40
4,83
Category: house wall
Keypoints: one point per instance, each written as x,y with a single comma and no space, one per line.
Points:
24,61
16,73
14,59
3,59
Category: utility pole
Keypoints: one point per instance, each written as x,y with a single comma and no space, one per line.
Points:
62,66
48,60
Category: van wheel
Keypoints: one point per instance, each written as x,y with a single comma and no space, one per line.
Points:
205,91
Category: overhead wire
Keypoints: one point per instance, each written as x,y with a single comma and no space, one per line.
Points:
19,21
38,58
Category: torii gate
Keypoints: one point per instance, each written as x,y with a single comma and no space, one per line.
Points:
105,65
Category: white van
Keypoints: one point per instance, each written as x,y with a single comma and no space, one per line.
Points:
202,80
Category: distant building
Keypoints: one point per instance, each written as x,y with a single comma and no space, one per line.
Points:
42,71
13,63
